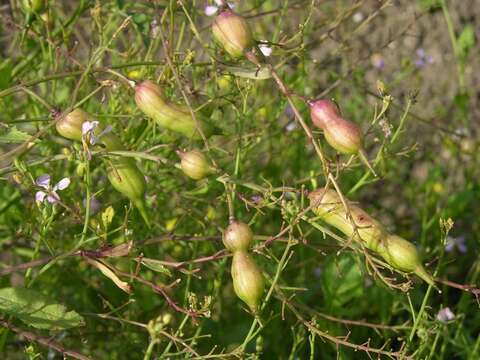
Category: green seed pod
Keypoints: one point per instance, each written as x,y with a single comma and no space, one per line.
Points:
396,251
194,164
171,116
70,126
343,135
248,280
127,179
237,237
232,32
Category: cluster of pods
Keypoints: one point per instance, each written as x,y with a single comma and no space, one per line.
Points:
233,33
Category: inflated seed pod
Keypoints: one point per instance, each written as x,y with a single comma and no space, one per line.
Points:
237,237
122,173
232,32
396,251
171,116
248,281
194,164
343,135
70,126
127,179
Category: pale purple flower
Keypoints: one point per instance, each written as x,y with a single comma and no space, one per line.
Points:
88,131
50,194
456,243
94,205
317,272
378,61
445,315
422,58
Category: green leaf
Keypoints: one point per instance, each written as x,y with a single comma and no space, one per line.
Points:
466,41
342,280
156,265
36,310
14,136
6,68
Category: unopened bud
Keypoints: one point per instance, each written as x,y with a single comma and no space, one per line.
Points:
232,32
237,237
248,280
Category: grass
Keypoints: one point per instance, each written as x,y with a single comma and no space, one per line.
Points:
166,291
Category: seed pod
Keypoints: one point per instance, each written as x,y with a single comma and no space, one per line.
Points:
248,280
237,237
171,116
70,126
343,135
232,32
127,179
194,164
396,251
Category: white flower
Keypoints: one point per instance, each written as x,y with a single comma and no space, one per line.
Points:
211,10
445,315
88,131
265,49
357,17
50,194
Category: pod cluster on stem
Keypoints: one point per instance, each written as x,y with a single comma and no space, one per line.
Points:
248,281
343,135
122,172
169,115
361,227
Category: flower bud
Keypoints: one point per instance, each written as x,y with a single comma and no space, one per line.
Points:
36,6
232,32
237,237
70,126
194,164
150,100
248,280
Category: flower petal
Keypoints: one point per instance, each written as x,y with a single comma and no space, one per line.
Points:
266,50
210,10
88,126
43,181
40,196
62,184
53,198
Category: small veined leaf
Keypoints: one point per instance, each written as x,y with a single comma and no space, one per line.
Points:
37,310
255,74
14,136
156,265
